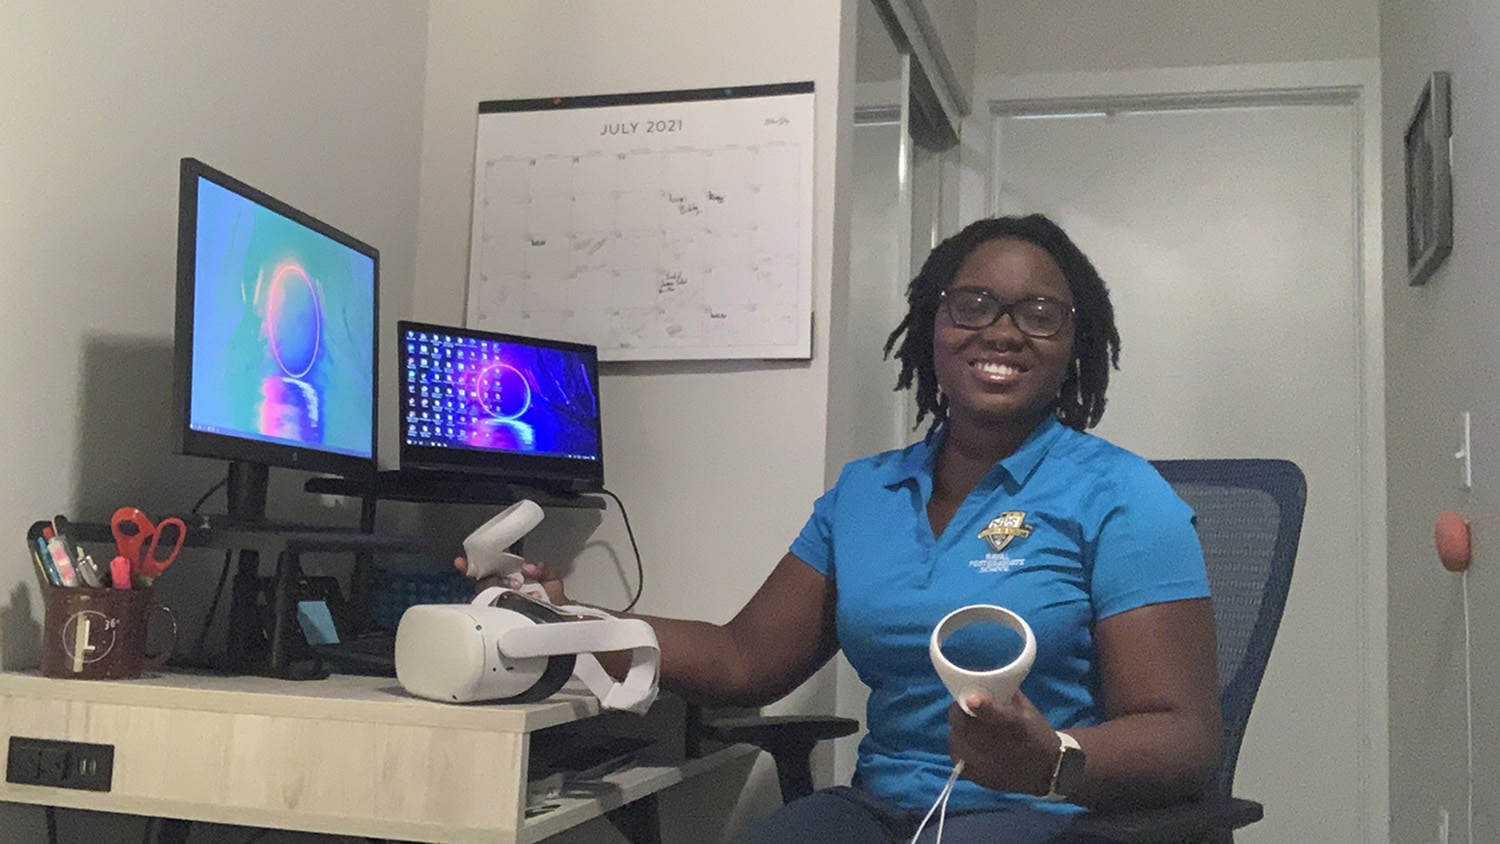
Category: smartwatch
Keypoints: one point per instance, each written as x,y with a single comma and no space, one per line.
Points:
1068,775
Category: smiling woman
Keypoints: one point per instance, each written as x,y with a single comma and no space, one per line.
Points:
1012,261
1009,337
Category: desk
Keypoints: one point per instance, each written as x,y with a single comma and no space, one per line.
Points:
346,755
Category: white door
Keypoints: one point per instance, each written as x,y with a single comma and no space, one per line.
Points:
1229,234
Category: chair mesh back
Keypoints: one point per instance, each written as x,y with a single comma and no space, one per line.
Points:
1249,521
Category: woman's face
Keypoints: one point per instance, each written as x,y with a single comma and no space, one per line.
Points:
998,375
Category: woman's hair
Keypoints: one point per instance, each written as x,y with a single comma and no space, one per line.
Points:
1096,341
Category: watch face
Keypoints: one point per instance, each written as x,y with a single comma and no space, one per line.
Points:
1069,771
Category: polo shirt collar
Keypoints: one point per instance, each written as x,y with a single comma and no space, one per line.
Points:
920,460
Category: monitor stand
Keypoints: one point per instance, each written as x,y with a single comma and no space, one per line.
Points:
256,641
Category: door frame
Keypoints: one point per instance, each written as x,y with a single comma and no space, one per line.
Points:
1356,82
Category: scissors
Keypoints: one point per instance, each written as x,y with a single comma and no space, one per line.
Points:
140,541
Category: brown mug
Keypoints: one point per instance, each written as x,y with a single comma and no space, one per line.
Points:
100,634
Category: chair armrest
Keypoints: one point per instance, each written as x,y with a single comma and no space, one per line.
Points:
1194,820
775,730
788,738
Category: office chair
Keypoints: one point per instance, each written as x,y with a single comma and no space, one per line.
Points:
1249,522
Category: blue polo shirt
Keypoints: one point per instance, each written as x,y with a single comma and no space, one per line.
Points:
1068,530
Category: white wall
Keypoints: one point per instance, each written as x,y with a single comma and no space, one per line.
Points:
1440,360
318,103
1062,36
718,463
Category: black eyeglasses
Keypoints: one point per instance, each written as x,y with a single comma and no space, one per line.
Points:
975,308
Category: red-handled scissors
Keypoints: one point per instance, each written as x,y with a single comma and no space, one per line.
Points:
141,542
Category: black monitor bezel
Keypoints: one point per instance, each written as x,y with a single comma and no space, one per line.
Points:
244,449
544,472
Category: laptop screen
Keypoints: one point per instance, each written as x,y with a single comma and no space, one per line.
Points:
520,408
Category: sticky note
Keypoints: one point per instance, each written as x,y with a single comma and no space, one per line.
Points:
316,623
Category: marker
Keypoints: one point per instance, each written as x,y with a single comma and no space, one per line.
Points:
37,544
60,560
119,572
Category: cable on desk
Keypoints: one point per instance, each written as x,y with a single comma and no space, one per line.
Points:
211,490
213,606
640,570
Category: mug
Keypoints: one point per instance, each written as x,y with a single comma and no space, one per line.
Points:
100,634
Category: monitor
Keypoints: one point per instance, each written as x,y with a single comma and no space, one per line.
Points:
276,335
521,409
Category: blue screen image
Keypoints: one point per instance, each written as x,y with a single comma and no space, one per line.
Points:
283,330
488,395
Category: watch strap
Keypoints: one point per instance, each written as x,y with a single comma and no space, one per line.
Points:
1068,771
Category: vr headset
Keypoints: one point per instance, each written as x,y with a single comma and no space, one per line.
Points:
507,647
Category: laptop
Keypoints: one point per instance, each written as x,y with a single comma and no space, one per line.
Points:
485,408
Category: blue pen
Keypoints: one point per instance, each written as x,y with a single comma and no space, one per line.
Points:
46,558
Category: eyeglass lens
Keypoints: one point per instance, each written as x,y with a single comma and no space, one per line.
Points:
1037,317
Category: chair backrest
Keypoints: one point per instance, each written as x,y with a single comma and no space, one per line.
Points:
1249,521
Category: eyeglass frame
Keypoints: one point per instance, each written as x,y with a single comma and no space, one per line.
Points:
1005,308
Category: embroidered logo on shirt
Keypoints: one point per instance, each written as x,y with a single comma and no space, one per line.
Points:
1004,528
996,563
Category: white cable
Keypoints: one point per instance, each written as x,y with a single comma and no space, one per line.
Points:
942,801
1469,705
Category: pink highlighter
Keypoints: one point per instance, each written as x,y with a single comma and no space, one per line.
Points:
119,573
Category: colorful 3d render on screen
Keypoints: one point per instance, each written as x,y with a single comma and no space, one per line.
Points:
282,329
479,393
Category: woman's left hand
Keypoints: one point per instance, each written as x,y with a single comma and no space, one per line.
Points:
1004,746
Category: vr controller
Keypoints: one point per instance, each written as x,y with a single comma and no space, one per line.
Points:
487,548
1000,683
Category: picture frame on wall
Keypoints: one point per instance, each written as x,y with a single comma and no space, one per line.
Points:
1429,180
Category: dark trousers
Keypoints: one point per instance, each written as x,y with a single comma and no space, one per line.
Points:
844,815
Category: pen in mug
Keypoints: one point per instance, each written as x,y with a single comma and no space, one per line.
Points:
42,576
60,559
37,544
88,571
119,572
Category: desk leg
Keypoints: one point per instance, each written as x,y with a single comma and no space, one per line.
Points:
639,820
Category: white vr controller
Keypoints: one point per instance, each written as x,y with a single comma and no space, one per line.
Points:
1000,683
507,647
488,548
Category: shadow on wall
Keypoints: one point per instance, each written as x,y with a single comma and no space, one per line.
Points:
20,631
128,435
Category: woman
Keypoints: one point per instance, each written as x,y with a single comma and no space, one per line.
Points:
1009,338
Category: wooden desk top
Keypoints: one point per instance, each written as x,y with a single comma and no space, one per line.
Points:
336,698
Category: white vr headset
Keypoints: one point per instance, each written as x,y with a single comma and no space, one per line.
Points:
512,645
506,647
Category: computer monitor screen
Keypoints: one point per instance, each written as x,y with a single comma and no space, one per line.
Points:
523,408
276,331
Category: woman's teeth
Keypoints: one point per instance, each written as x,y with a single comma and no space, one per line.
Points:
998,369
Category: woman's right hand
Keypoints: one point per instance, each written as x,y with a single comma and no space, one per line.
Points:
539,573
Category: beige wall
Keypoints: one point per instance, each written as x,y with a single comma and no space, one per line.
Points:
1440,360
317,103
1062,36
718,463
